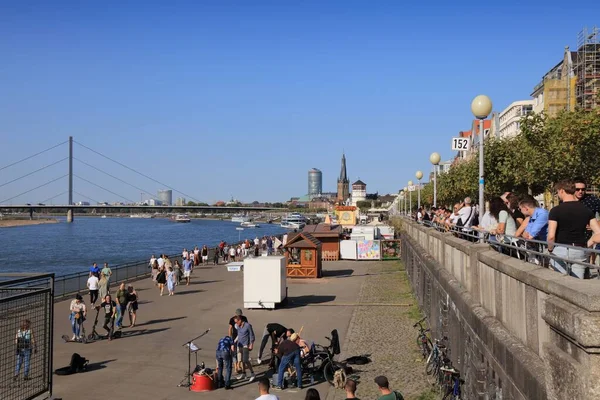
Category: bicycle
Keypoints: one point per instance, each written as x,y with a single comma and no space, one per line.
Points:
437,358
452,383
423,341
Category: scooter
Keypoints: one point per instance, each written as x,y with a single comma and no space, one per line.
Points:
82,338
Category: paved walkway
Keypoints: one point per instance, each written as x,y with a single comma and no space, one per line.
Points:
386,333
149,362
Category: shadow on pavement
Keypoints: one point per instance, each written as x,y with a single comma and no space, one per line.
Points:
98,365
300,301
203,282
139,332
189,292
158,321
337,273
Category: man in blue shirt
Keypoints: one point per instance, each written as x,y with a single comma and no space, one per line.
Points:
536,218
245,342
95,270
187,270
224,349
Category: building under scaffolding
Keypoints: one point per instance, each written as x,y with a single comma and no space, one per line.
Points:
587,68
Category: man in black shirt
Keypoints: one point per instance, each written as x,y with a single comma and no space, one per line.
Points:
567,224
273,330
592,202
110,310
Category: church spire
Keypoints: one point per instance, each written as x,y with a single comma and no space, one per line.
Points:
343,174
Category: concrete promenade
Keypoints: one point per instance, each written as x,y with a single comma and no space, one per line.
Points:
149,361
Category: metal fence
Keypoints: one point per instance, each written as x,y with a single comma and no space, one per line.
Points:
26,328
575,261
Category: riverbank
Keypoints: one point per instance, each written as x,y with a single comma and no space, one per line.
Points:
12,223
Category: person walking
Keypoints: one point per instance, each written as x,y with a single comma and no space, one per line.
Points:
77,315
110,312
224,350
232,253
102,288
25,342
178,273
245,342
155,268
187,270
204,255
107,273
94,269
350,389
133,305
122,301
384,388
92,284
225,253
161,279
171,281
216,256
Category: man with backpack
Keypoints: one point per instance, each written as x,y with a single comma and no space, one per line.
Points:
384,388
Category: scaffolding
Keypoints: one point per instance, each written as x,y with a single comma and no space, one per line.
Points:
587,68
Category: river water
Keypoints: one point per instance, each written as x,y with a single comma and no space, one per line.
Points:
66,248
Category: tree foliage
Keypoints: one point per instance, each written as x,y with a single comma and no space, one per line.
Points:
546,150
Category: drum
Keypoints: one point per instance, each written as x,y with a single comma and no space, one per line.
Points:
201,383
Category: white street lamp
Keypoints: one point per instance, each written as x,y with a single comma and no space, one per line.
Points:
481,107
410,183
419,176
435,158
405,192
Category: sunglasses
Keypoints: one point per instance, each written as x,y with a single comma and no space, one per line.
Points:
580,189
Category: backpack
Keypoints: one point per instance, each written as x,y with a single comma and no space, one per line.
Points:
77,364
398,395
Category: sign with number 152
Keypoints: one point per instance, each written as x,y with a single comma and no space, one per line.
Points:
461,144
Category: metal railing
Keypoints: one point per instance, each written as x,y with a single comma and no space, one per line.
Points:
575,261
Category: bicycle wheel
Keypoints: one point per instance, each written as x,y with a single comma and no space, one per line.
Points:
329,372
430,366
433,377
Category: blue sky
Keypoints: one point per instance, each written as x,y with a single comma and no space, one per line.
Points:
242,98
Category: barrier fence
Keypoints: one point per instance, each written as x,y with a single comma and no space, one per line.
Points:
26,328
570,260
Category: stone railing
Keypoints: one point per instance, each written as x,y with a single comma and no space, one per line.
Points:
516,330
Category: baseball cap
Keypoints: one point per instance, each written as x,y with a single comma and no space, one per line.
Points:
238,312
382,381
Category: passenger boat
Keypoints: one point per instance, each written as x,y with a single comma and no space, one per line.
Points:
141,216
240,218
249,225
182,218
293,221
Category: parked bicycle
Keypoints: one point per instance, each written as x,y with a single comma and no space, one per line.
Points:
452,383
436,360
423,340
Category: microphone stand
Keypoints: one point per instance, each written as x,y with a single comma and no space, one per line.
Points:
189,346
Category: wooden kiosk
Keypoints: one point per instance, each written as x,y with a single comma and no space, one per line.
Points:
303,256
329,236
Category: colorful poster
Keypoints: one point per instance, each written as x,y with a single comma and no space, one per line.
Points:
368,250
390,249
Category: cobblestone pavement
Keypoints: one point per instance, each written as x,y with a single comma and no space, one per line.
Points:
386,333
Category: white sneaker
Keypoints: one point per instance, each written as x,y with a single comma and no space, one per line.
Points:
241,377
74,338
251,378
258,361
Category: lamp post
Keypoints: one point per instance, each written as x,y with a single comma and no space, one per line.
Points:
410,183
405,191
419,176
435,158
481,107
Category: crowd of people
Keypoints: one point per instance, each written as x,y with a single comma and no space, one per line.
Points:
565,232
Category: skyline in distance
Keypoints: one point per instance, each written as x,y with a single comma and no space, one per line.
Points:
242,100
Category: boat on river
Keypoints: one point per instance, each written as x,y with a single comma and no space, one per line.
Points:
293,221
182,218
247,224
141,216
240,218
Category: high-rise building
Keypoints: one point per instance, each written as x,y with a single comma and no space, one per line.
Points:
180,201
165,197
315,183
343,184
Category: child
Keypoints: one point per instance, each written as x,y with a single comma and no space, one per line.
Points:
171,281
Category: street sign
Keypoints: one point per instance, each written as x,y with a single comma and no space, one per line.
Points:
461,144
412,188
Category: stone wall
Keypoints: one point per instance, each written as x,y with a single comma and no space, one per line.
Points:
516,330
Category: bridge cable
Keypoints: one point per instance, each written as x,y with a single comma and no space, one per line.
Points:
103,188
36,154
119,179
37,170
137,172
84,196
53,197
37,187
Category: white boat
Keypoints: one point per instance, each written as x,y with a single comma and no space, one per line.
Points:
104,216
249,225
240,218
141,216
293,221
182,218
